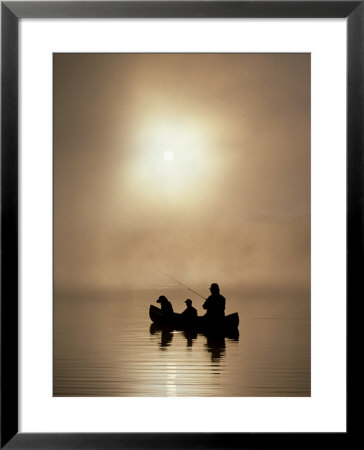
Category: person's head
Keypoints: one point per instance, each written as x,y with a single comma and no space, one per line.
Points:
214,288
188,302
162,299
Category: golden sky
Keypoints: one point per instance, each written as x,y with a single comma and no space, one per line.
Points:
196,164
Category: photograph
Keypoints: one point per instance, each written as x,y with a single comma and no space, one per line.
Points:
181,224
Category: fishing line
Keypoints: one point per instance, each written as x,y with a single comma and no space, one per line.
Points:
174,279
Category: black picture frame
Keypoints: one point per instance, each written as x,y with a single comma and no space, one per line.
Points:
11,12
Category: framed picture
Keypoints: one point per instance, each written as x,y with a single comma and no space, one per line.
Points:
208,166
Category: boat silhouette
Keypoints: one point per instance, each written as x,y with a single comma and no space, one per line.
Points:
228,326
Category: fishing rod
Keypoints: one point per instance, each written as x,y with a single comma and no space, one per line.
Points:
174,279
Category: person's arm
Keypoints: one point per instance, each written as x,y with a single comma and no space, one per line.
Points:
206,304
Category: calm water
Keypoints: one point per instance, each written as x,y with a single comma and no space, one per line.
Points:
104,345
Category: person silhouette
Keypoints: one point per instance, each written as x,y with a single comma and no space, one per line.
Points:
215,304
190,312
166,305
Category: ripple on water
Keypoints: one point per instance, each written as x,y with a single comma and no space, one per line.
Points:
97,352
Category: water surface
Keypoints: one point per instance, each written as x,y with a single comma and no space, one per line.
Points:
104,345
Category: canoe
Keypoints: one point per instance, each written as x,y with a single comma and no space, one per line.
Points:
178,322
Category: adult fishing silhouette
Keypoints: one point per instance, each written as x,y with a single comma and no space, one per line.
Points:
215,304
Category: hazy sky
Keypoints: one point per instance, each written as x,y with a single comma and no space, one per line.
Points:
196,164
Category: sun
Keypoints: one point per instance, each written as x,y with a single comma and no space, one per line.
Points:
168,156
170,159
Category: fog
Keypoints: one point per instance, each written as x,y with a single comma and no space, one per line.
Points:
233,206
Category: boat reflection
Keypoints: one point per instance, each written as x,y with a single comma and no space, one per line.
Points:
166,335
190,336
216,346
215,343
